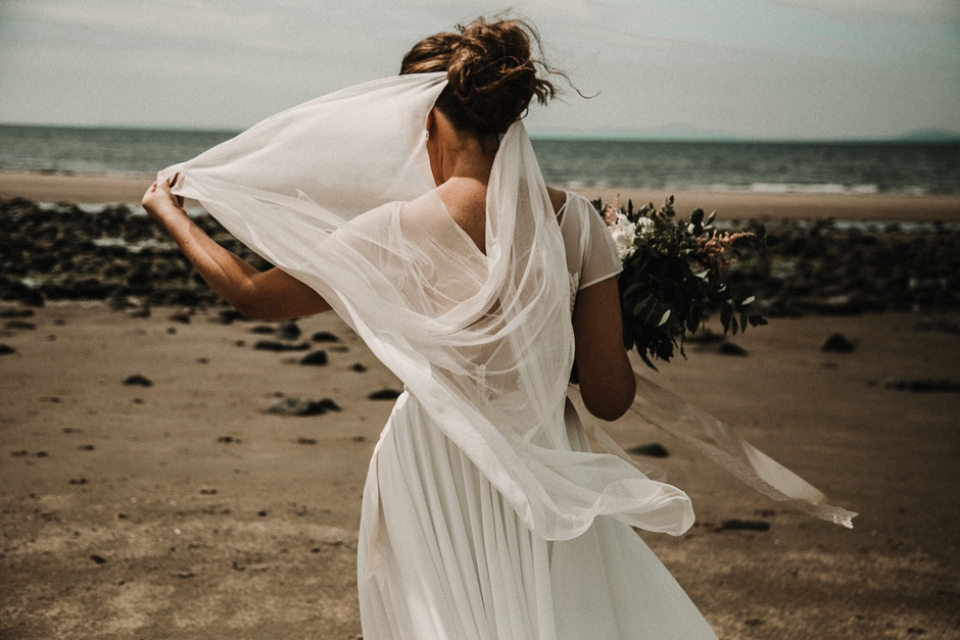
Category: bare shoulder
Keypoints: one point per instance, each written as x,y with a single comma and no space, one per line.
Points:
558,198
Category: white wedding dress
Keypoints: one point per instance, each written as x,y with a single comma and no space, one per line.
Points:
485,514
459,564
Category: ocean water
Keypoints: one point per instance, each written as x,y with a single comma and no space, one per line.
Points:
781,167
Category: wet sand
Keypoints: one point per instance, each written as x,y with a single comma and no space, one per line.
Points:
181,509
731,205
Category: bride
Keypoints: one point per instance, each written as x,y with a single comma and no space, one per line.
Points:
414,208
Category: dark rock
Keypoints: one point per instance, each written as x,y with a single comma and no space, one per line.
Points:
182,317
97,559
731,349
288,331
359,438
138,380
6,350
273,345
745,525
358,367
705,337
324,336
297,407
15,312
653,449
229,316
924,386
78,481
19,454
306,441
265,329
41,454
838,343
316,358
384,394
86,447
228,440
19,324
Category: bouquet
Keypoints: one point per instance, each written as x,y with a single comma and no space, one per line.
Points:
674,275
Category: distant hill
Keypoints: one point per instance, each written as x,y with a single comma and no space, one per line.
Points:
667,133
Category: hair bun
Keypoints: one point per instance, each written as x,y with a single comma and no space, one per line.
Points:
491,73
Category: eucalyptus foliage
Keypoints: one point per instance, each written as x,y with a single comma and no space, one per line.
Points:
674,275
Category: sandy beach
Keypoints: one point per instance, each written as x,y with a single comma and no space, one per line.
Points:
175,506
730,204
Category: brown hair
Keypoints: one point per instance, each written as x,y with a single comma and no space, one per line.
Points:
491,73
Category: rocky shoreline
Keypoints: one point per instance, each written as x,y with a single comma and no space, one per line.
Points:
65,252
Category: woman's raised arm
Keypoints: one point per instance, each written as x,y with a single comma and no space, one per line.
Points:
267,295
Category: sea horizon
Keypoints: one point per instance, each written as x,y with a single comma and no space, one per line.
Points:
916,166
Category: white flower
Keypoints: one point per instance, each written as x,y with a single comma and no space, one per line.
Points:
624,232
645,227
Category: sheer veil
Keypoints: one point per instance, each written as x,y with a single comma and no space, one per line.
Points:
338,192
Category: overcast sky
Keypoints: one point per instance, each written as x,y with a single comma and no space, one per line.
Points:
780,69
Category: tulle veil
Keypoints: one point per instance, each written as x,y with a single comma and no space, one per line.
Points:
338,192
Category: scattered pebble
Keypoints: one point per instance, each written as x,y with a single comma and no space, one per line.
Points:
208,492
14,312
288,331
315,358
203,360
19,454
19,324
97,559
6,350
228,440
86,447
652,449
265,329
138,380
229,316
324,336
358,367
731,349
924,386
745,525
262,514
171,331
273,345
297,407
41,454
71,430
384,394
306,441
838,343
80,480
359,438
51,399
183,317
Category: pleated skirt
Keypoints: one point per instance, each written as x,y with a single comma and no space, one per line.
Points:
458,564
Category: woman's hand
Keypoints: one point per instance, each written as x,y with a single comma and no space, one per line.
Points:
160,202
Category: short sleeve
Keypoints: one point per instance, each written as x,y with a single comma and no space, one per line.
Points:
600,260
